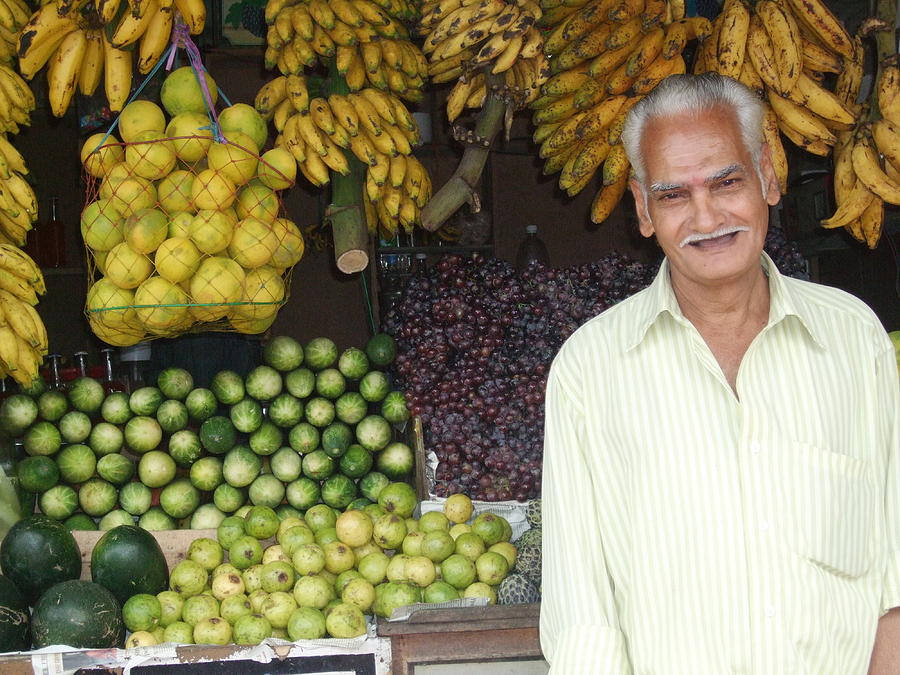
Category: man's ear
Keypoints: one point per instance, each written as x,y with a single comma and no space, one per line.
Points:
645,225
770,186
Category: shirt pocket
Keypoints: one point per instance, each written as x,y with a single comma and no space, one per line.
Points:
830,500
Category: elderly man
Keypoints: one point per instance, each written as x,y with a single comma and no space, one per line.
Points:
721,451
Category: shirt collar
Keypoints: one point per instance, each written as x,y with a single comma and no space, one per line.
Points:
661,300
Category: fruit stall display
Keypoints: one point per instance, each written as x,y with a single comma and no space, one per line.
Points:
310,425
475,340
255,576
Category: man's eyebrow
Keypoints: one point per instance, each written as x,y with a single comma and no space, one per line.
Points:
719,175
727,171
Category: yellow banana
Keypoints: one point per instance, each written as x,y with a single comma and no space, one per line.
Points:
776,148
565,82
40,37
194,14
322,13
9,347
155,40
62,73
556,111
762,54
648,48
508,56
849,80
117,68
284,25
334,157
18,320
130,27
868,169
273,7
822,102
563,136
270,95
656,72
314,169
302,22
23,194
382,102
624,34
786,42
19,288
344,113
871,222
91,72
589,156
16,88
607,61
607,198
732,40
818,58
886,135
397,171
295,88
310,133
811,143
600,117
823,25
887,87
107,10
368,115
15,261
381,169
342,34
851,208
321,115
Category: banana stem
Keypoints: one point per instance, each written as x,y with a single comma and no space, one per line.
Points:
885,45
461,187
346,213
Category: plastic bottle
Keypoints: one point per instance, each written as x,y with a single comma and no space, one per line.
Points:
531,249
111,382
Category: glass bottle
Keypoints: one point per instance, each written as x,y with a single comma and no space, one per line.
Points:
55,240
531,249
421,265
111,382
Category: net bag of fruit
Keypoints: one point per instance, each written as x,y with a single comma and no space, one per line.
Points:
183,223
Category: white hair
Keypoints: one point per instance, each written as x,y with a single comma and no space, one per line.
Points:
695,95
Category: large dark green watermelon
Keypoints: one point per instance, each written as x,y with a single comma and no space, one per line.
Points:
80,614
38,552
128,560
15,621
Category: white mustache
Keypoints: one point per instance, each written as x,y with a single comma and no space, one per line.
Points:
693,238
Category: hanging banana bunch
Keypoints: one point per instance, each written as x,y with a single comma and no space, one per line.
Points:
867,164
373,125
368,44
13,15
605,55
465,39
84,44
368,40
783,50
23,336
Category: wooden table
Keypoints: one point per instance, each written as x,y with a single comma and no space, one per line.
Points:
465,635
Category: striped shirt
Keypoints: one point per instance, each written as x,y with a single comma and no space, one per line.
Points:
689,530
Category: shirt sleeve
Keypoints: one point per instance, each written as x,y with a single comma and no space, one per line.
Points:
579,624
888,393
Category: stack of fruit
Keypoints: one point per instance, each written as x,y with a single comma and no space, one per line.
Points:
485,45
185,227
304,578
175,455
82,43
372,65
298,577
23,337
867,164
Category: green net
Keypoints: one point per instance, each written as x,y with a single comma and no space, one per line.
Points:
185,233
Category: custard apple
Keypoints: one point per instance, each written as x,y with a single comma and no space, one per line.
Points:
533,512
516,589
528,563
530,537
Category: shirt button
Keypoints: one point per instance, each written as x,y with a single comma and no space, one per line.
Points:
764,525
754,447
770,611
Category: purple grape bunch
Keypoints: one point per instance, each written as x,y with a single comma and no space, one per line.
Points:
475,340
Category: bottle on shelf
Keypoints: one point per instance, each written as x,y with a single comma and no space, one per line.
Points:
421,265
111,380
531,249
53,242
137,357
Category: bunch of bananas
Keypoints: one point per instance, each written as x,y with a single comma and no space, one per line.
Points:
867,164
18,205
23,337
367,39
783,49
13,15
85,42
16,100
372,124
465,39
605,55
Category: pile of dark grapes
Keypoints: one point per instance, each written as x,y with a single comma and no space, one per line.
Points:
475,339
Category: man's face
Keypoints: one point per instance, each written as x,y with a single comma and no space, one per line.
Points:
705,202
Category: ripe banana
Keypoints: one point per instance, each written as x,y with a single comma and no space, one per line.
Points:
63,70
